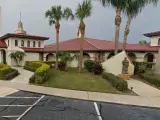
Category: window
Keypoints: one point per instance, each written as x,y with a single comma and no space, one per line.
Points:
159,41
28,44
16,42
8,42
34,43
22,43
39,44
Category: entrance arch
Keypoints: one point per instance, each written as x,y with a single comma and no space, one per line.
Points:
3,56
86,56
50,57
132,56
149,57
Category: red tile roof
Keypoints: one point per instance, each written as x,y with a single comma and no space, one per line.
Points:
32,49
3,44
23,36
96,45
157,33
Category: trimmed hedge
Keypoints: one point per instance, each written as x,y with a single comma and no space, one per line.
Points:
50,63
89,65
151,78
97,68
116,82
13,73
94,66
141,67
4,69
40,69
6,72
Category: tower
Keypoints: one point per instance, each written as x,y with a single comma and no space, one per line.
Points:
20,29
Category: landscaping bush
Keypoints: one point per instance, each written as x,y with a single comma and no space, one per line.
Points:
116,82
4,69
41,71
32,79
97,68
13,73
89,65
151,78
61,66
141,67
6,72
51,63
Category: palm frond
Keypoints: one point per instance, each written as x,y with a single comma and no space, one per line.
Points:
84,9
68,14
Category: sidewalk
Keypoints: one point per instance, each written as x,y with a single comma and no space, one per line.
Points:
4,91
84,95
142,89
23,77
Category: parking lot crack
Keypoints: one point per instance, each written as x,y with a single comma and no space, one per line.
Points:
71,108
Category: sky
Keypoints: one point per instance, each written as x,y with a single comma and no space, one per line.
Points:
100,25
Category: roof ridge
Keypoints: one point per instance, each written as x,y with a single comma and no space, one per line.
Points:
92,44
62,42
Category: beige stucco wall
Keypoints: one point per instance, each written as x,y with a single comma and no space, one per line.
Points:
29,56
154,41
13,47
114,65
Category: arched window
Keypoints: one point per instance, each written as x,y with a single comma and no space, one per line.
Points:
28,44
39,44
34,44
159,41
22,43
16,42
8,42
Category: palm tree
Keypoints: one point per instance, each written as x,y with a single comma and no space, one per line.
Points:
133,8
83,11
66,57
119,5
55,15
17,56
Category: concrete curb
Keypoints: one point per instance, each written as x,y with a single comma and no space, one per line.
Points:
151,102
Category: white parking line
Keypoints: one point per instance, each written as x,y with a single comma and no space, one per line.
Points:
13,116
10,97
97,110
15,105
30,108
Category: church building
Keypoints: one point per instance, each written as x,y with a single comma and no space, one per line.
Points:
32,45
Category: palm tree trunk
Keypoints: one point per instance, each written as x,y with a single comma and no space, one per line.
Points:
66,67
57,26
117,23
82,30
126,33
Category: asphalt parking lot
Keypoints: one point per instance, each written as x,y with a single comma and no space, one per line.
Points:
31,106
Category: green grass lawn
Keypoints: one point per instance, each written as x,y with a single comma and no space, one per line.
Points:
78,81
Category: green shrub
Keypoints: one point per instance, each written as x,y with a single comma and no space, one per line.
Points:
41,71
89,65
116,82
97,68
32,79
13,73
61,66
151,78
141,67
51,63
4,69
